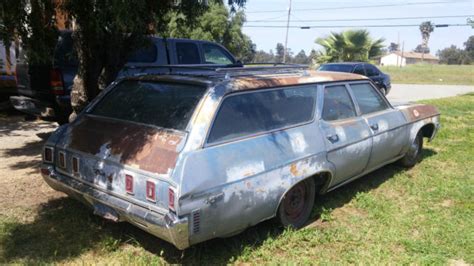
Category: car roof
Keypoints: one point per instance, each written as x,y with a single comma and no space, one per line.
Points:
253,80
345,63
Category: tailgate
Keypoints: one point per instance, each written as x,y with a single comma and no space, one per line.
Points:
107,153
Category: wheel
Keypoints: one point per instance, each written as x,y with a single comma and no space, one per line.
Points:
296,205
414,152
383,90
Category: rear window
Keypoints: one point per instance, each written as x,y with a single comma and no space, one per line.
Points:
337,68
250,113
145,54
163,105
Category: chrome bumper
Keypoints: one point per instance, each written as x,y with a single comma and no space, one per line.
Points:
167,227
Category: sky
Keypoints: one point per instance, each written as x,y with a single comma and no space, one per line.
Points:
267,38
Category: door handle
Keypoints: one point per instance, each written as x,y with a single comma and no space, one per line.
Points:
374,127
333,138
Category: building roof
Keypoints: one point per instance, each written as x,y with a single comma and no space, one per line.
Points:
415,55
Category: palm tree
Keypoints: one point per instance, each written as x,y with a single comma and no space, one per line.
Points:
351,45
426,28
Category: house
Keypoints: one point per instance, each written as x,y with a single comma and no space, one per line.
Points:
398,58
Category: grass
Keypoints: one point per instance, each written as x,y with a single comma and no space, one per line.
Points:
424,215
431,74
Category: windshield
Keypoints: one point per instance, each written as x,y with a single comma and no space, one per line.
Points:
336,68
165,105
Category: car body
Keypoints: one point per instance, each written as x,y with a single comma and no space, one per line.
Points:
44,90
234,154
381,80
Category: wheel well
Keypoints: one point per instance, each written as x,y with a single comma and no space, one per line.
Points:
427,130
322,181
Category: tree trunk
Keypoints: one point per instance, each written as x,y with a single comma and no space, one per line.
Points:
86,81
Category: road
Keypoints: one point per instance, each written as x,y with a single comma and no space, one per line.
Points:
403,93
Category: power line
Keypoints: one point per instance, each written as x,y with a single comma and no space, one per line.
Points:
353,26
360,19
358,7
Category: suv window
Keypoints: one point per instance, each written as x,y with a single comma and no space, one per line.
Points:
368,99
359,69
160,104
214,54
64,53
249,113
336,68
145,54
187,53
371,70
337,103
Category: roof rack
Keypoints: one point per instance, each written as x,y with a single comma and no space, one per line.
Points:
223,71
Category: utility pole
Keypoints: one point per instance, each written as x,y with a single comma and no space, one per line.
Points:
287,29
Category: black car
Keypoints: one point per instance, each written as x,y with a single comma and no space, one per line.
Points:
44,91
381,79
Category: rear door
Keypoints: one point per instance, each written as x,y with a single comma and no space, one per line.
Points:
386,123
347,136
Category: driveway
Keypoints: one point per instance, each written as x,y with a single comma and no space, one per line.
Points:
402,93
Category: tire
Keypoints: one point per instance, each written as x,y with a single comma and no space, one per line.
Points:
297,204
413,154
383,90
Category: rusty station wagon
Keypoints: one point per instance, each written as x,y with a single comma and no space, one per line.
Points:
192,157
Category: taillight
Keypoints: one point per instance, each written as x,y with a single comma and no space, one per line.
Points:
129,184
56,82
62,159
171,199
48,154
150,191
75,165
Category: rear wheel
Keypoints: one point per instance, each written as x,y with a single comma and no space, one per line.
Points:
295,208
414,152
383,90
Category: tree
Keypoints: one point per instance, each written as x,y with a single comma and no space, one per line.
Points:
426,28
106,31
421,49
469,47
301,58
280,51
216,24
264,57
393,47
453,56
351,45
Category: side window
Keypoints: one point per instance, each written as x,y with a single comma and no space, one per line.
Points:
359,69
368,99
337,103
250,113
187,53
214,54
371,71
145,54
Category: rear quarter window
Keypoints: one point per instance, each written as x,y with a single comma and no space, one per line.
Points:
251,113
165,105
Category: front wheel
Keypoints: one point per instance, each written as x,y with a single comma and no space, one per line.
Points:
414,152
295,208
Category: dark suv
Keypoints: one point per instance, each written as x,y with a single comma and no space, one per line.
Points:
44,91
380,79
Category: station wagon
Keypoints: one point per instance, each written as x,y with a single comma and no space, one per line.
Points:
192,157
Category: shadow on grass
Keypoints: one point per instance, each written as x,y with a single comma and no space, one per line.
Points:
64,229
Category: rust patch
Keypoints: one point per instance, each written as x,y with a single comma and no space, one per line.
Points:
277,80
147,148
419,111
294,169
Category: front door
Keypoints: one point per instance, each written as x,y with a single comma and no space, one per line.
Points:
347,136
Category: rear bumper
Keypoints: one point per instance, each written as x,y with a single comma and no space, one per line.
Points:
165,226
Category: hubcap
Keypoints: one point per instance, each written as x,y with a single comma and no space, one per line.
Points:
294,202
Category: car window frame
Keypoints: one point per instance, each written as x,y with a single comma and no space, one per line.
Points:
224,51
258,134
389,106
321,103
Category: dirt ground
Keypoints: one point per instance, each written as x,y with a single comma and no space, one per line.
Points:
20,156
